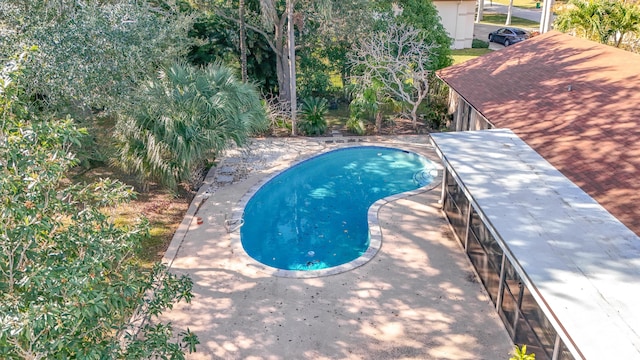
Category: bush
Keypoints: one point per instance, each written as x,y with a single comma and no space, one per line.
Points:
69,282
520,353
479,44
314,83
356,126
313,111
184,117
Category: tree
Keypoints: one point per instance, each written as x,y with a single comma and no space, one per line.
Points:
292,66
326,39
274,16
607,22
271,25
368,104
184,117
92,53
68,280
215,41
243,41
399,60
423,15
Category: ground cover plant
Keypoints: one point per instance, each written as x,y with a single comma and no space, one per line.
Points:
313,112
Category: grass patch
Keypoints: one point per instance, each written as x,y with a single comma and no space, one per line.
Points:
462,55
526,4
499,19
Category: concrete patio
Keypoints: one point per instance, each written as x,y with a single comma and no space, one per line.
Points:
418,298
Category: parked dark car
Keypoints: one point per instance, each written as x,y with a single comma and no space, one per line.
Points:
508,36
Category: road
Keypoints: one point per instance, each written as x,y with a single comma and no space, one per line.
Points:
481,31
529,14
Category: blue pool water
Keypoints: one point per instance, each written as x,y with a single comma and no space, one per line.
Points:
314,215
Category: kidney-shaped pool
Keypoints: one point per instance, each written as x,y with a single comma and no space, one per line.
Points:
314,215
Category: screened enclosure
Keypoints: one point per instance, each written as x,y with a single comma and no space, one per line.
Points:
548,255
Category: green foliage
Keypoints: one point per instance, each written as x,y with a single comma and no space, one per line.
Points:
92,53
520,353
68,282
327,38
479,44
436,111
365,104
423,15
217,41
313,111
356,125
313,79
182,118
600,20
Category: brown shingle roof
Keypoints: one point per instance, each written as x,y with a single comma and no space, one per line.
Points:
576,102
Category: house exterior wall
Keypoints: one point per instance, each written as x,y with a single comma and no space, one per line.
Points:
465,117
457,19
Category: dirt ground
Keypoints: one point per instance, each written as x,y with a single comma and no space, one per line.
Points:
163,208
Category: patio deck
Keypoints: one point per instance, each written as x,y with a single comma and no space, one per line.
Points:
418,298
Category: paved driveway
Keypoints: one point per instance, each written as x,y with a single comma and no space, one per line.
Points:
481,31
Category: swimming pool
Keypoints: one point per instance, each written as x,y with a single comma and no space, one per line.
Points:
314,215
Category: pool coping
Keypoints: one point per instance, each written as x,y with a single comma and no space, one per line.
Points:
375,230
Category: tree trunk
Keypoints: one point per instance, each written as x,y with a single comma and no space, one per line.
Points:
414,115
292,67
243,42
480,15
378,122
282,64
282,71
509,11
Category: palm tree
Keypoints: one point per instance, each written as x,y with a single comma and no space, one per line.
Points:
182,118
602,21
626,20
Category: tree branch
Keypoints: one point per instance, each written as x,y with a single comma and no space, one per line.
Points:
254,28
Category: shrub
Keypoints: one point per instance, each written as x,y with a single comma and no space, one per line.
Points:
183,118
520,353
313,111
479,44
356,125
69,282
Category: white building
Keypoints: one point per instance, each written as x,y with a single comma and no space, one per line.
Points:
458,20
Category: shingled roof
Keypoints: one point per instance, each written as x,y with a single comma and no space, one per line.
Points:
576,102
